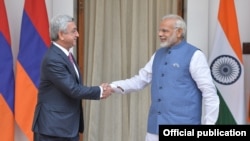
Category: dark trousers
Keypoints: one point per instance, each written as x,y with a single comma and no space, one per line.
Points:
41,137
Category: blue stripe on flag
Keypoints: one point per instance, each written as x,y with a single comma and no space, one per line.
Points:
6,75
32,48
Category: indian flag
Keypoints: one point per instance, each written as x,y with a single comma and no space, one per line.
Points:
226,63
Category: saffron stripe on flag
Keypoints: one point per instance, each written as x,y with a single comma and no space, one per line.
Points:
7,79
227,67
34,41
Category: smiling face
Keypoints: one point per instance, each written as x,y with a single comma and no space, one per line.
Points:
169,34
68,38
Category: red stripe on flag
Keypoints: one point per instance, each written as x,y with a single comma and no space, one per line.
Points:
37,8
4,26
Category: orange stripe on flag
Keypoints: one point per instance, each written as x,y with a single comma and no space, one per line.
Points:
226,15
25,101
7,121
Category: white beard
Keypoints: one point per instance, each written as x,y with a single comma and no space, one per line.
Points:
164,44
171,40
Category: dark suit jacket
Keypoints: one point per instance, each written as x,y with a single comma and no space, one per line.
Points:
59,107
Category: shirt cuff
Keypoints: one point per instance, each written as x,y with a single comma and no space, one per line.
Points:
101,91
117,89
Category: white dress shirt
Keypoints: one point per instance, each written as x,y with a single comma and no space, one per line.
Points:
201,74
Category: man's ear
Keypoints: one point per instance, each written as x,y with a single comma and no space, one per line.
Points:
60,35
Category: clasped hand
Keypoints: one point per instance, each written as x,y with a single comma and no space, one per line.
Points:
107,90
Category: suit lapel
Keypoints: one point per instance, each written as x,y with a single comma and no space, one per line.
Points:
77,67
69,64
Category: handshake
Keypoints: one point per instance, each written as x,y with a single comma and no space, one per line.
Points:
108,89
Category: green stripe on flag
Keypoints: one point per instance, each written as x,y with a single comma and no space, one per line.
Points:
225,115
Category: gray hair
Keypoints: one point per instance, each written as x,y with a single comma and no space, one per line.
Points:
180,23
57,24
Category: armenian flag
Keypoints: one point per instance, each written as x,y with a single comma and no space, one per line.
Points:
34,41
6,79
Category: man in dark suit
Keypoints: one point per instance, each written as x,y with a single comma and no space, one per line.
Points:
58,114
